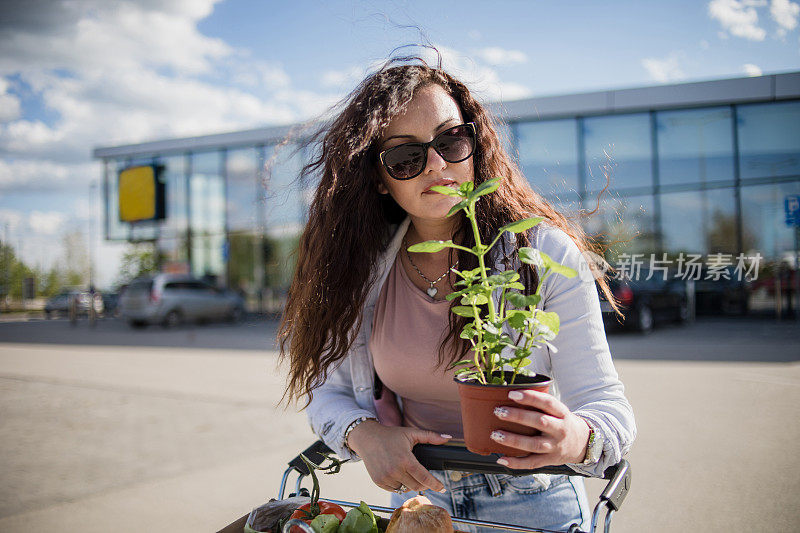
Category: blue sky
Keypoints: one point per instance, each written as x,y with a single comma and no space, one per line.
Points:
81,74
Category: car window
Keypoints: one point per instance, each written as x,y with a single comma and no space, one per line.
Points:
144,285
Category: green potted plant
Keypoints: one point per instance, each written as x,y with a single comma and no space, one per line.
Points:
485,378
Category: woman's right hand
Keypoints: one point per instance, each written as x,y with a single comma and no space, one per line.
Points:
386,452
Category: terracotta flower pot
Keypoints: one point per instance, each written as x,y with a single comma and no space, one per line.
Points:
477,412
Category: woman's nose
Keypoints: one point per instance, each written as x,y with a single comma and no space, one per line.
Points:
435,161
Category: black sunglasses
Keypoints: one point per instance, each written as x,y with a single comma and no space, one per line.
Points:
408,160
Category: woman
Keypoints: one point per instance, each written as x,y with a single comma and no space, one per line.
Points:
362,307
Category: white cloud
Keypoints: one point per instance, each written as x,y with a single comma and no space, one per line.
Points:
496,56
24,174
483,80
738,17
751,69
664,70
11,218
785,14
46,223
343,78
10,105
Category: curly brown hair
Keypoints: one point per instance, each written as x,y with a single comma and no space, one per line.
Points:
349,222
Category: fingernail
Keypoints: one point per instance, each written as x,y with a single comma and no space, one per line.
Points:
500,412
502,461
515,395
446,436
496,435
443,490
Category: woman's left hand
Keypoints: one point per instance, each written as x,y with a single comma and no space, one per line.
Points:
564,435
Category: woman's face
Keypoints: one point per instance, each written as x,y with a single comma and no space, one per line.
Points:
430,112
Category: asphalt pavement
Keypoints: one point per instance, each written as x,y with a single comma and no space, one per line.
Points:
108,428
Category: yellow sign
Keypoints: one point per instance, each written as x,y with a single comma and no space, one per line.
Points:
137,194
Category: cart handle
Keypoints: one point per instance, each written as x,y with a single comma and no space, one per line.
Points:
457,457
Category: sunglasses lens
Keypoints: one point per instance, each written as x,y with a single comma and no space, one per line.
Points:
408,160
455,144
405,161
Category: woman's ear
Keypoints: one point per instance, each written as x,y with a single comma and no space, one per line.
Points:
381,187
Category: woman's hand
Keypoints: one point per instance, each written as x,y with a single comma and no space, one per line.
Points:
386,452
564,435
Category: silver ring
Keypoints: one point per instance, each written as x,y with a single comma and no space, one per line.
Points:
401,489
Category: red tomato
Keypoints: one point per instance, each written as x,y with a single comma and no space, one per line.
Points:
304,513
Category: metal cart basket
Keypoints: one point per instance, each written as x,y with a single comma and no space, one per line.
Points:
454,457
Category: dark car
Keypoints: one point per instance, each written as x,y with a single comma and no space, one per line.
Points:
646,302
60,303
723,293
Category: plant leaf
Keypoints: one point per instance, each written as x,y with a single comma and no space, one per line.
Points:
556,267
521,301
491,328
503,278
531,256
516,319
475,299
463,310
448,191
487,187
521,225
430,246
456,208
549,319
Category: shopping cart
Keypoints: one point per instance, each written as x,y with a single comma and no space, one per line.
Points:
458,458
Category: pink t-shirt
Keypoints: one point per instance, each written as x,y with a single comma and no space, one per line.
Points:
407,329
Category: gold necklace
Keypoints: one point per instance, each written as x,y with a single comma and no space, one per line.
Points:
432,291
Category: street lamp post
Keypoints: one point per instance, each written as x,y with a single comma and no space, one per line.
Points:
92,309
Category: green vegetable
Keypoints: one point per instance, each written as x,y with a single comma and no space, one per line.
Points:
359,520
325,523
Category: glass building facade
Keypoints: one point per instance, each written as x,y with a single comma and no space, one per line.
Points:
699,168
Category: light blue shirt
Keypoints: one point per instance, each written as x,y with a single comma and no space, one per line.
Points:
584,376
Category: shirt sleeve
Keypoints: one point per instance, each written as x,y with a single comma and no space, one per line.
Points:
582,367
333,408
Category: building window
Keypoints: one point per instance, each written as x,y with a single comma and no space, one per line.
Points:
548,155
242,190
623,224
695,146
769,139
763,221
174,173
699,222
207,212
619,145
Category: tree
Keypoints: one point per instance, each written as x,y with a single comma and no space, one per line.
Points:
75,259
138,260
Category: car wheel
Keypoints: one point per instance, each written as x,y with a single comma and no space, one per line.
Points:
236,315
644,319
48,315
173,319
683,313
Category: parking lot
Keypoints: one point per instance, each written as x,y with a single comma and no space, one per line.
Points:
158,429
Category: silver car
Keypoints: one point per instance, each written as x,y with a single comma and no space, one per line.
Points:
172,299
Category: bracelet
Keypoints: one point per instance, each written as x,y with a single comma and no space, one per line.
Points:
351,427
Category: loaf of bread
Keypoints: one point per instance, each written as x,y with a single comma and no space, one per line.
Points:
419,515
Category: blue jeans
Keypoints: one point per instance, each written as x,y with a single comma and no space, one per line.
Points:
526,501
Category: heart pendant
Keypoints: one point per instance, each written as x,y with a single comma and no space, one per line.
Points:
432,291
